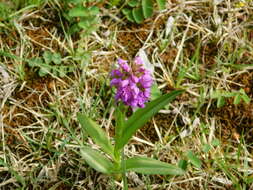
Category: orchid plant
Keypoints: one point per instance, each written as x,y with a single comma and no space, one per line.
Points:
133,88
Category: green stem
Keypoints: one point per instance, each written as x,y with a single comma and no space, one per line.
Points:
123,166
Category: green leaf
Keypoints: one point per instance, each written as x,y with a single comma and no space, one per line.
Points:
206,148
133,3
120,117
79,12
76,1
237,99
155,92
56,58
35,62
141,116
43,71
182,164
84,24
128,13
96,133
47,56
73,29
228,94
194,159
96,160
138,15
94,10
244,96
147,8
215,142
161,4
145,165
221,102
115,2
62,71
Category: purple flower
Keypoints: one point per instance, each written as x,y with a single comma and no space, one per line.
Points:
132,83
116,73
123,64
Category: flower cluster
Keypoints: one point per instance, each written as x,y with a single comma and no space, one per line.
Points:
133,83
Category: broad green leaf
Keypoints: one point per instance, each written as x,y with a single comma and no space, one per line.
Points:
119,115
120,118
84,24
194,159
133,3
79,12
96,133
161,4
141,116
145,165
94,10
96,160
147,8
138,15
128,13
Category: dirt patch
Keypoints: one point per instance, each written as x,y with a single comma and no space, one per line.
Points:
132,36
31,97
237,119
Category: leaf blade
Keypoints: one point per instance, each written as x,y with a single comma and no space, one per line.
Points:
194,159
128,13
96,160
161,4
138,15
147,8
146,165
141,116
78,12
96,133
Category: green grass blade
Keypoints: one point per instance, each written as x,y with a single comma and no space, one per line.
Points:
141,116
96,133
96,160
151,166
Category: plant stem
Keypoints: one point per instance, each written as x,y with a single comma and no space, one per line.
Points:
123,166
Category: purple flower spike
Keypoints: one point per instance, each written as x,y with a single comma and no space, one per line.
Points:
133,84
123,64
116,73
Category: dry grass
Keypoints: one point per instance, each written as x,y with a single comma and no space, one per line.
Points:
209,47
